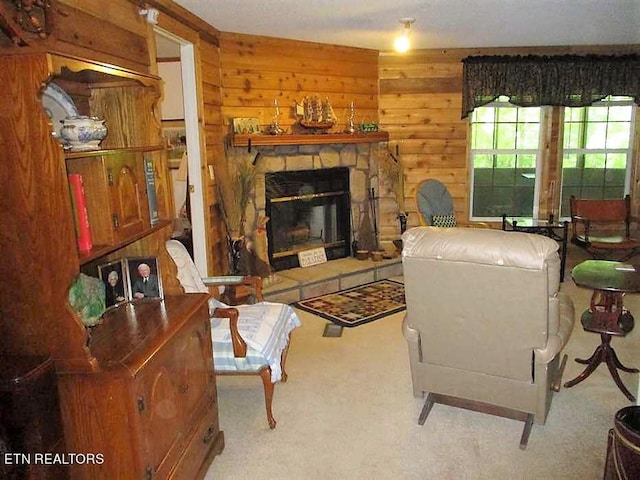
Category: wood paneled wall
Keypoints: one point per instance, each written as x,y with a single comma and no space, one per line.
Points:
258,70
112,32
212,125
420,105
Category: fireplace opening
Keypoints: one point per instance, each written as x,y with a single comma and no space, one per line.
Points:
307,209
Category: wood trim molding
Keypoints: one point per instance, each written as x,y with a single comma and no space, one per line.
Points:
206,31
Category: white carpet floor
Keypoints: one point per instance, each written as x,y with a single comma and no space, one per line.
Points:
348,412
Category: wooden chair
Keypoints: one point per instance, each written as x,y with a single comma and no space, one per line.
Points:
603,227
247,339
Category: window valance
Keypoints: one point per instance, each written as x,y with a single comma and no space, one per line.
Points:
534,80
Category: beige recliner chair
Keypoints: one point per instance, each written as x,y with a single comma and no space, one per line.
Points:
485,323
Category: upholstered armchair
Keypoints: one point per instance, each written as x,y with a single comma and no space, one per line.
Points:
485,322
247,339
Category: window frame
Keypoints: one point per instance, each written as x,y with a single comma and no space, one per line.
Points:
547,123
581,152
537,152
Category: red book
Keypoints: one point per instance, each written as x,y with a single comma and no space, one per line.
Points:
83,230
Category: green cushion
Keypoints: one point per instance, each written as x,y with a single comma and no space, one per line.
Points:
443,221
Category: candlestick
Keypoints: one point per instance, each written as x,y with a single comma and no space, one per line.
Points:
275,124
351,128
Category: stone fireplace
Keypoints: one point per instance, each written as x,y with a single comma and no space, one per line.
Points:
323,225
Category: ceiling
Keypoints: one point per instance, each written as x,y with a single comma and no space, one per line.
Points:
439,23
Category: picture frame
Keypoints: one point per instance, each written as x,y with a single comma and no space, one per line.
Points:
246,125
175,139
174,136
114,276
139,268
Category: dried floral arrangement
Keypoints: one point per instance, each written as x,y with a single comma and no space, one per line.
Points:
235,190
391,169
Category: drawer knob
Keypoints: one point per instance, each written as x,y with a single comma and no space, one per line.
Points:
183,388
208,435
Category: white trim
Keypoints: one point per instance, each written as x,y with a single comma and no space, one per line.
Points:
627,178
194,153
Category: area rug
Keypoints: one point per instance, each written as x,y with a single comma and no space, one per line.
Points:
358,305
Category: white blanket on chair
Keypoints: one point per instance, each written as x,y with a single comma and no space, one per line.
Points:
264,326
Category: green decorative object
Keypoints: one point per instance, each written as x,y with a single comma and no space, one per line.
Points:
368,127
87,298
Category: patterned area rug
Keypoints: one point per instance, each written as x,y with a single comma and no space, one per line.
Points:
358,305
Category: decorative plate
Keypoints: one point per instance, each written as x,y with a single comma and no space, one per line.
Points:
58,106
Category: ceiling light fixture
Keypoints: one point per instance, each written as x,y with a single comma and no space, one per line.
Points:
402,42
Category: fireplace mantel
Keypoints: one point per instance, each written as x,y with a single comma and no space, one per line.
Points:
241,140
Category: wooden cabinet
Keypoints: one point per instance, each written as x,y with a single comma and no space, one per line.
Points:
139,388
156,395
116,189
176,389
117,204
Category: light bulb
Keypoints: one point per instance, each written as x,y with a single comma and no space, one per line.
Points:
402,43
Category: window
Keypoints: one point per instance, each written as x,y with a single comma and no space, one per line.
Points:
596,150
505,144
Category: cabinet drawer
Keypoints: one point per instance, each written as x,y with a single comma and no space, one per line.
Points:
206,441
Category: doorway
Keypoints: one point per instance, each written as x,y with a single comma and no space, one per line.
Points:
181,127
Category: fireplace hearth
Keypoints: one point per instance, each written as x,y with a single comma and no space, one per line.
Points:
307,209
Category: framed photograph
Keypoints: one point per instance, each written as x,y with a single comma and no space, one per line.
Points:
143,277
246,125
113,274
174,137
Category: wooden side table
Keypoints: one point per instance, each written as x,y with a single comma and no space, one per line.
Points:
606,315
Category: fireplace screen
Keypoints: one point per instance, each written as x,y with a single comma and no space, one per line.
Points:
307,209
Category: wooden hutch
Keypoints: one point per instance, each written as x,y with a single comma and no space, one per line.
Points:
139,388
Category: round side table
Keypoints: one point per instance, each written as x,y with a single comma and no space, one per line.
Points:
606,315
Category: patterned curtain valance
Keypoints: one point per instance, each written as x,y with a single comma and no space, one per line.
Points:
533,80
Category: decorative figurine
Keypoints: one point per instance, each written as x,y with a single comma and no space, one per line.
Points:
315,116
328,116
